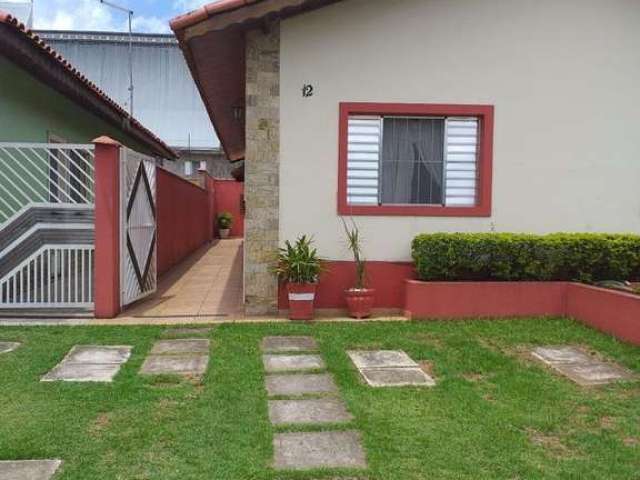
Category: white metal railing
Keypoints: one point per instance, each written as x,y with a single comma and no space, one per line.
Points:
54,276
44,173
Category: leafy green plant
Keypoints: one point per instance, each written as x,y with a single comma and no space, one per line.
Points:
585,257
225,220
298,262
354,243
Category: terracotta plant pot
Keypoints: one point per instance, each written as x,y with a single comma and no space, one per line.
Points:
360,302
224,232
301,298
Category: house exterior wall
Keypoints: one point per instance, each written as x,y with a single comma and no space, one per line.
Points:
562,76
262,169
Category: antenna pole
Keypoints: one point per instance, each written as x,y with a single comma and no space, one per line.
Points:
129,13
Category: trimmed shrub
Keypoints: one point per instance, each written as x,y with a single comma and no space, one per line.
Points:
583,257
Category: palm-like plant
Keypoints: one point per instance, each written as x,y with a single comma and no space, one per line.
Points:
354,243
298,263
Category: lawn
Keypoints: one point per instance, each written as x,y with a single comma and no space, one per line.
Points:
494,414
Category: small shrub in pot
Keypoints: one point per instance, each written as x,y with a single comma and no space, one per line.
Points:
359,298
225,220
299,265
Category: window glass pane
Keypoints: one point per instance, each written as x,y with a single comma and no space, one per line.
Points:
203,164
412,161
187,168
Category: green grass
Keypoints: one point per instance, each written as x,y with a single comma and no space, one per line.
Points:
492,415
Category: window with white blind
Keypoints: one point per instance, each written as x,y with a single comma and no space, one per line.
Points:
188,168
412,160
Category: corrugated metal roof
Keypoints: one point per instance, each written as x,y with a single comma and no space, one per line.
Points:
165,96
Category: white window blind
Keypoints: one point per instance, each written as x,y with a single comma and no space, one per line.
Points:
363,160
364,149
188,168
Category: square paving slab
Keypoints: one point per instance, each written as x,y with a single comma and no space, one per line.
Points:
284,363
289,344
189,365
188,331
321,410
300,384
98,354
593,373
396,377
180,346
28,469
90,363
561,354
6,347
309,450
381,359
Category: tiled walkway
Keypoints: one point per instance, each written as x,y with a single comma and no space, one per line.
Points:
207,284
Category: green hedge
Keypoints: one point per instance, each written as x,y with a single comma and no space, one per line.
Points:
512,257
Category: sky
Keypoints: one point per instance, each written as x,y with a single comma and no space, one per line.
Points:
150,16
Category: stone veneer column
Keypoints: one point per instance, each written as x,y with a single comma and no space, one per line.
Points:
262,164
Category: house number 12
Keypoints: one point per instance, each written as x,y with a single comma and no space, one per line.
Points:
307,91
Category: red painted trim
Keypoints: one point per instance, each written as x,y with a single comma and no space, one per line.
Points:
107,227
387,278
485,158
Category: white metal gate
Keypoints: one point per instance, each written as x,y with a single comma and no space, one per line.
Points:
46,225
138,268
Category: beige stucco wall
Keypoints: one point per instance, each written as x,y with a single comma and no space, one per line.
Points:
562,74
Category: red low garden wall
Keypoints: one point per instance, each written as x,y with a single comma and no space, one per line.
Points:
613,312
184,216
386,277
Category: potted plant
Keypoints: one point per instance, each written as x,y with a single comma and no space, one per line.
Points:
360,299
299,266
225,219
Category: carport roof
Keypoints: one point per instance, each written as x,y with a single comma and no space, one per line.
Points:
212,39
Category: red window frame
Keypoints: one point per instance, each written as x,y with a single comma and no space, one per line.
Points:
485,158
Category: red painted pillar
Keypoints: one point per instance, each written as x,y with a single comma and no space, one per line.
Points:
107,227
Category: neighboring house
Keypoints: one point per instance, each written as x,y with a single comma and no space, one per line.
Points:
165,97
419,116
44,98
50,115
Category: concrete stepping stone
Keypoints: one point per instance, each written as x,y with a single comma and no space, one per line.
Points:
594,373
310,450
561,354
90,363
397,377
181,346
289,344
321,410
300,384
6,347
188,365
580,367
389,368
289,363
381,359
28,469
187,331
